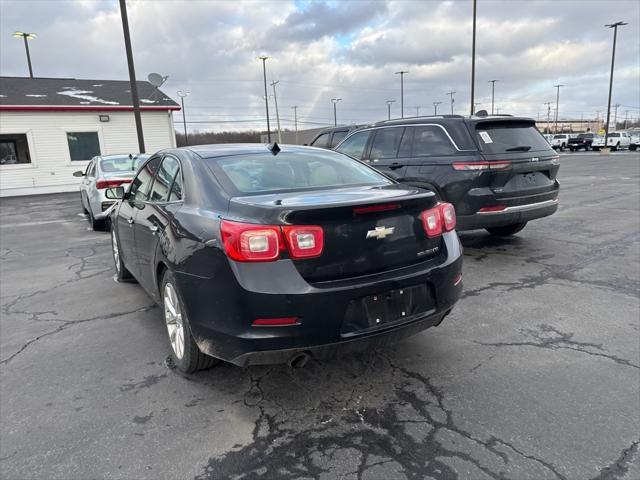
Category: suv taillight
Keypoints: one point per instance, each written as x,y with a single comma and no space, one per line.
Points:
247,242
101,184
497,165
441,218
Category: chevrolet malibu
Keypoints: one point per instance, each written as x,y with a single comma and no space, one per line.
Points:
266,254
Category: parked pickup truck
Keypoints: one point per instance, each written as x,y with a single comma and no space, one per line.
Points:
560,141
634,141
615,141
583,140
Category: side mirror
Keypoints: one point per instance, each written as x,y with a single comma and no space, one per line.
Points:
114,193
78,173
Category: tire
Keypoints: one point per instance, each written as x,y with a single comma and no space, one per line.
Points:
506,230
572,149
185,354
632,148
84,209
97,225
122,274
586,148
617,147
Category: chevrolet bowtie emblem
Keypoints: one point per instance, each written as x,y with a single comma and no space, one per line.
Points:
380,232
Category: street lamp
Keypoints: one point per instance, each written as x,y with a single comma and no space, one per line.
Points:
451,94
557,102
435,107
613,58
26,36
389,102
493,91
335,118
266,95
295,120
182,94
401,73
473,58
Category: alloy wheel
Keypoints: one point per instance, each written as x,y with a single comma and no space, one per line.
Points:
116,250
173,319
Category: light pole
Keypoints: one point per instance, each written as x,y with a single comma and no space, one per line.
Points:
402,73
613,59
451,94
275,100
182,94
266,95
26,36
389,102
548,104
473,58
335,117
435,107
493,91
132,75
557,103
295,121
615,116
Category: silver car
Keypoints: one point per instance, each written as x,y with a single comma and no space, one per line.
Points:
104,172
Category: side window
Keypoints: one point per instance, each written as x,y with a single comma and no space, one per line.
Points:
141,184
337,137
354,145
91,169
83,145
164,179
430,140
405,144
386,143
322,141
176,188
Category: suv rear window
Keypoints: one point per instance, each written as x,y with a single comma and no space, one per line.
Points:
508,137
262,172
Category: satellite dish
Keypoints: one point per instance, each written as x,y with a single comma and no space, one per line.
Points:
156,79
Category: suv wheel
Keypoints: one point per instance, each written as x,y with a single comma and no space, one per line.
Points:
186,355
506,230
562,147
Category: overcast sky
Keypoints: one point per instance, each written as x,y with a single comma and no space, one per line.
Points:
340,49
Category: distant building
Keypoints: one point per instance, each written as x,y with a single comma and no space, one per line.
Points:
51,127
570,126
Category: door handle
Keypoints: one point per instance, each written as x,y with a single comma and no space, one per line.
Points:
395,166
153,228
130,220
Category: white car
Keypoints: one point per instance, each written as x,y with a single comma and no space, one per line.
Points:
615,141
560,141
104,172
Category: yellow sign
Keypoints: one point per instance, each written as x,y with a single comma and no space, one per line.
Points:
601,131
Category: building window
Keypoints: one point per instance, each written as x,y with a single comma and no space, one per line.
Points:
14,149
83,145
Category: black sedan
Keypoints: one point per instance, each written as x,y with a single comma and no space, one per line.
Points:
266,254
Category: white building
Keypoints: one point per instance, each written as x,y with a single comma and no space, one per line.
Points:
51,127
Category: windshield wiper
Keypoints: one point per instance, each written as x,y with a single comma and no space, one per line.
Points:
521,148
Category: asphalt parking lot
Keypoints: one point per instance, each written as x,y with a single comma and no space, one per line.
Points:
535,375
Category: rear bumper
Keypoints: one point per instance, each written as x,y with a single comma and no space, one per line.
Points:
222,309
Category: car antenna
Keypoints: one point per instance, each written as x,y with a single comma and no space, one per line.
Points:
274,148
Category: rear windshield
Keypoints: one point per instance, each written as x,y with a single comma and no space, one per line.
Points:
560,136
121,163
585,135
264,172
507,137
614,134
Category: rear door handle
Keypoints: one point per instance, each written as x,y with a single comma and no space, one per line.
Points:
130,220
153,228
395,165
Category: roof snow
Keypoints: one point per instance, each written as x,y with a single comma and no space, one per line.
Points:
82,95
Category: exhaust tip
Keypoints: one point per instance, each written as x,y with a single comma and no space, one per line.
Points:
299,360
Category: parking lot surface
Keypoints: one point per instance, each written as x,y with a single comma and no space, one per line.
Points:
535,374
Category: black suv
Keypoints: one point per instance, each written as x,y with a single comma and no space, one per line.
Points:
330,137
498,171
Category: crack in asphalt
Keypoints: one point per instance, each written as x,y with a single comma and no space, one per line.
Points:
282,446
551,338
620,467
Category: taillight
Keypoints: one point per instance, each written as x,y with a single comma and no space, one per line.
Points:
247,242
101,184
304,241
493,208
275,322
441,218
498,165
376,208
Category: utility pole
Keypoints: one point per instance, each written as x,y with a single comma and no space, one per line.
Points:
613,59
493,91
266,95
26,36
182,94
389,102
615,116
473,58
275,100
401,73
557,102
132,75
335,116
626,117
435,107
451,94
548,104
417,111
295,120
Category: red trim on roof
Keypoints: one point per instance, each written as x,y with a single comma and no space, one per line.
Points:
86,108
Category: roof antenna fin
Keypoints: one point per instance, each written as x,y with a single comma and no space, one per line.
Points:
274,148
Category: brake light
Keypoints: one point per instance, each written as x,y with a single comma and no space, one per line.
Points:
305,241
441,218
102,184
376,208
498,165
247,242
275,322
493,208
